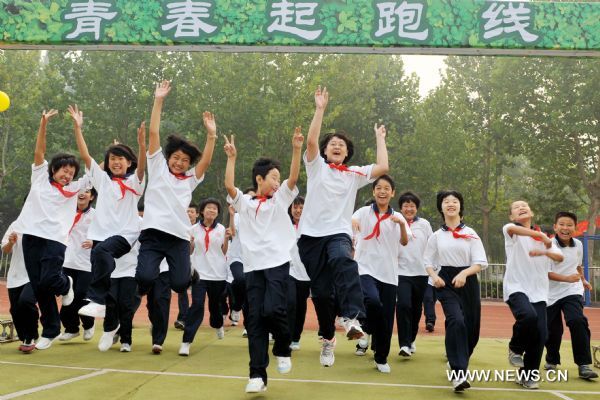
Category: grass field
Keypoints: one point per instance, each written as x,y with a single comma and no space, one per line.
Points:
217,369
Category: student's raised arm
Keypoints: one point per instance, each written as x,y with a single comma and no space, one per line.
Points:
211,138
162,90
40,143
297,141
382,166
77,117
523,231
312,142
141,139
231,153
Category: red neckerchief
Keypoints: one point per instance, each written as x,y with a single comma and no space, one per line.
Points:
124,187
64,192
533,228
456,234
207,231
344,168
182,176
76,220
376,228
261,199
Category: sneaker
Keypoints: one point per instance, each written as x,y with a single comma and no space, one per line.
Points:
516,360
529,384
360,351
429,327
352,328
295,346
221,333
67,299
245,333
413,348
383,368
125,348
66,336
184,349
586,372
108,339
179,325
405,351
27,346
256,385
234,317
459,385
156,349
88,334
327,357
44,343
93,310
284,365
550,367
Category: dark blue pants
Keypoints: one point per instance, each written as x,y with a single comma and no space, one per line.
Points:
238,286
43,261
68,314
158,303
380,301
227,299
297,296
24,312
429,300
462,309
200,290
334,276
156,245
267,312
410,292
183,301
572,309
530,330
103,258
122,302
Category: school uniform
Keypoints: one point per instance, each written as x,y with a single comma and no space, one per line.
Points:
166,226
567,297
227,299
429,299
298,292
158,303
412,281
325,244
44,222
115,228
211,265
455,251
267,238
236,265
377,251
525,290
23,308
78,266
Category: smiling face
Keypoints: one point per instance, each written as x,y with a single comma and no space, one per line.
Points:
409,210
565,228
118,165
84,198
383,193
336,150
269,184
521,213
192,214
64,175
179,162
297,211
451,206
210,213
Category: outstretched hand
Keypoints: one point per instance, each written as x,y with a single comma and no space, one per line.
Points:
141,134
380,132
229,147
321,98
209,123
76,115
162,89
46,115
298,138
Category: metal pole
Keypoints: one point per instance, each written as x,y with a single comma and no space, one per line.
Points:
586,267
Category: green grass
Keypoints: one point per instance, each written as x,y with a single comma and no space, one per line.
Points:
227,361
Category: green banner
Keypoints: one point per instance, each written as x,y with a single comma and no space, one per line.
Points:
445,24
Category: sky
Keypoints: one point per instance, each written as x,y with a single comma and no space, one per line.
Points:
429,69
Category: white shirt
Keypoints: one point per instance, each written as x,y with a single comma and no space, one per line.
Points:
76,257
444,250
17,274
330,198
167,198
378,257
126,265
234,250
525,274
410,259
117,212
266,234
573,259
47,213
297,268
210,263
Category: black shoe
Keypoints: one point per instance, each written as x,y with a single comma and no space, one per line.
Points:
429,327
586,372
179,325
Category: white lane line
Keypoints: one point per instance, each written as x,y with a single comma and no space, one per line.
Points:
561,395
51,385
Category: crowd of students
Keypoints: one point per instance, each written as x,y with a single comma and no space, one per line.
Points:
361,268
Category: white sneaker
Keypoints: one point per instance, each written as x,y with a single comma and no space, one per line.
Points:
364,341
125,348
66,336
284,365
67,299
93,310
327,356
256,385
413,348
88,334
234,317
44,343
156,349
352,328
405,351
184,349
107,339
221,333
295,346
245,333
383,368
460,385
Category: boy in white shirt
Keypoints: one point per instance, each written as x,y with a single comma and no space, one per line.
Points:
267,238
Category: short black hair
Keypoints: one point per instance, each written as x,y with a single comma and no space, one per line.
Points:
63,160
207,201
409,197
94,193
297,201
175,142
441,195
261,168
387,178
340,135
195,206
120,150
567,214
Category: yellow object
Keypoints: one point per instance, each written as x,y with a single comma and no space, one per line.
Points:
4,101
